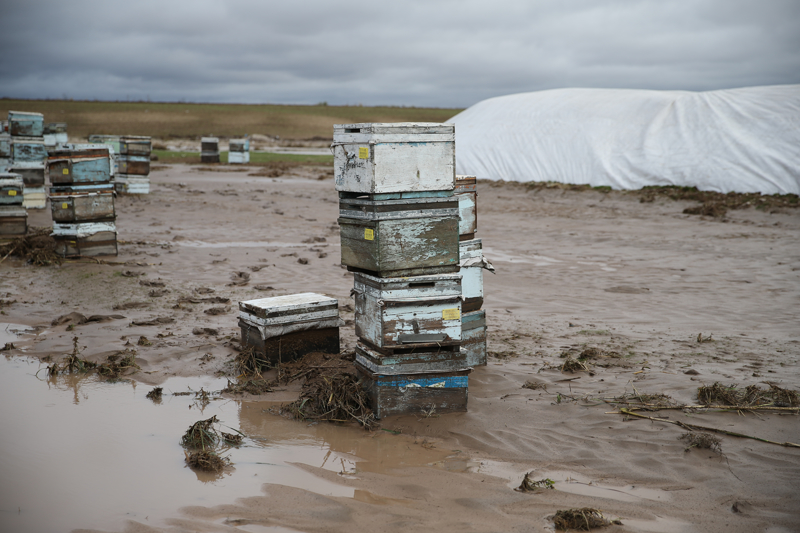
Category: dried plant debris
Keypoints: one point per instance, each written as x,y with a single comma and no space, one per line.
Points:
535,385
574,365
201,435
206,460
645,401
37,248
581,519
155,394
252,385
8,347
117,364
143,341
239,279
148,283
750,396
705,441
530,485
231,439
72,363
251,363
217,310
205,331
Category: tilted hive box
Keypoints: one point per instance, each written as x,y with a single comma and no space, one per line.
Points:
402,157
284,328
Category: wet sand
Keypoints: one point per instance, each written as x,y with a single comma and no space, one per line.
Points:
574,270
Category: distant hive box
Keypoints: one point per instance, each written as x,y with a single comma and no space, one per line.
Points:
11,189
473,338
22,123
472,265
28,149
130,145
32,172
467,193
395,315
239,151
209,150
87,239
390,158
285,328
79,166
405,237
83,203
13,221
413,393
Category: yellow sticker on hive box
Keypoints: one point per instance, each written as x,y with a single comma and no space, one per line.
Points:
369,234
363,152
65,171
451,314
65,205
12,193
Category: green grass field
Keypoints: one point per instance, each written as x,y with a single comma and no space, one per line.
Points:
191,121
256,158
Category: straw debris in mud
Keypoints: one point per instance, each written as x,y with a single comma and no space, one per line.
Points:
118,363
72,363
529,485
231,439
750,396
250,363
206,460
574,365
155,394
581,519
254,386
705,441
201,435
37,247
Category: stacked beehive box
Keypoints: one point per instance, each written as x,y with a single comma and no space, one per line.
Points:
5,146
13,216
55,133
472,262
28,155
82,201
209,150
130,161
239,151
399,225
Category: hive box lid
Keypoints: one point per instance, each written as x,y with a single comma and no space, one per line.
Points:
25,115
289,308
209,140
395,128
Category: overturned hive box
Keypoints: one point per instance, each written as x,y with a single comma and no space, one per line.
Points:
13,221
390,158
415,392
28,149
406,237
285,328
11,189
473,338
209,150
26,124
82,203
86,239
76,165
395,315
467,193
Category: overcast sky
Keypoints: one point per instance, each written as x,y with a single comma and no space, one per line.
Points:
424,53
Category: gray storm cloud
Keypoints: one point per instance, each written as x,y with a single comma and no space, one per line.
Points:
448,53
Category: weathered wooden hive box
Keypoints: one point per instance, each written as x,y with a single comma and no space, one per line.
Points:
79,166
25,124
473,338
389,158
405,237
28,149
13,221
467,193
137,165
285,328
398,314
131,184
472,266
419,392
239,151
55,133
85,238
131,145
209,150
33,175
411,360
5,146
11,189
84,203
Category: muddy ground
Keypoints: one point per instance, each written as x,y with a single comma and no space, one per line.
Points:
673,301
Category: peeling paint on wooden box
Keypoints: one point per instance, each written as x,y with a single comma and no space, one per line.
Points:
5,146
396,313
385,158
135,146
473,338
399,237
23,123
428,392
125,184
432,359
13,221
94,244
472,264
284,328
28,149
467,194
82,203
82,229
138,165
11,189
51,140
79,165
34,198
33,173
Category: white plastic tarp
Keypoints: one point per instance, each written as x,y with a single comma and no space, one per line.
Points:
744,140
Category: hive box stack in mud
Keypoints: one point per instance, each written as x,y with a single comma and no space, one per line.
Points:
285,328
472,262
5,146
209,150
82,201
399,226
28,155
13,216
239,151
130,161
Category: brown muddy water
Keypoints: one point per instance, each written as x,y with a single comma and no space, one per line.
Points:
79,452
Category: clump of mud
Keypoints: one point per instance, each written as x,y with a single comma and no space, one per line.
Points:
705,441
715,204
530,485
750,396
37,247
155,394
581,519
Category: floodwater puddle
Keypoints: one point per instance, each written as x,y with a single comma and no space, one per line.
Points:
249,244
11,332
537,260
79,452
